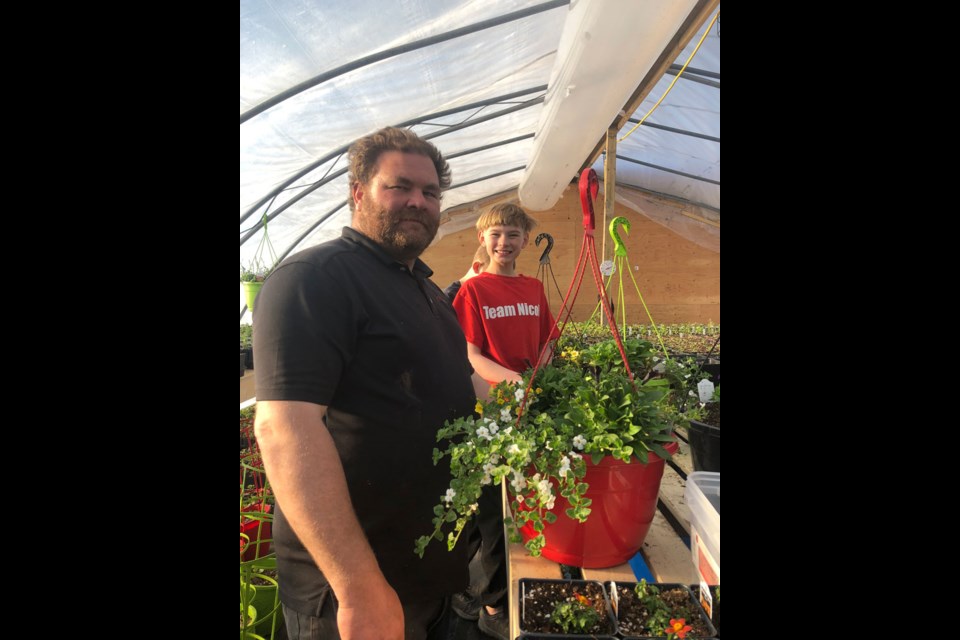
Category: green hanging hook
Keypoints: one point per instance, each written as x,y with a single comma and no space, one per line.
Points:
619,249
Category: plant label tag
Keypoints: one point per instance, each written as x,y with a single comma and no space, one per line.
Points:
705,389
706,599
614,596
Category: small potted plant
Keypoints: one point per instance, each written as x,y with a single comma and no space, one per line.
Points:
583,422
254,272
645,610
252,277
705,436
565,607
246,344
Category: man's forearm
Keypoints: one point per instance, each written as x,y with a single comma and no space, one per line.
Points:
307,478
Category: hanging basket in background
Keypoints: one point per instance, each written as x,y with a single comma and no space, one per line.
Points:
256,271
251,289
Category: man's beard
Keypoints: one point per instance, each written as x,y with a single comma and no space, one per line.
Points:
387,229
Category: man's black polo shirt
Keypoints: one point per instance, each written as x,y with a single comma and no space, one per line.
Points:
344,325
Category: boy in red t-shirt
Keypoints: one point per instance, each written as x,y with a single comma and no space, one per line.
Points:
507,322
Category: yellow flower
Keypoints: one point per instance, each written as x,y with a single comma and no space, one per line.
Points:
479,407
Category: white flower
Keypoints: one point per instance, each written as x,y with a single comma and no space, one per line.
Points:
564,467
576,455
487,473
513,450
482,432
518,483
474,507
507,431
545,492
505,414
494,427
579,442
449,497
519,395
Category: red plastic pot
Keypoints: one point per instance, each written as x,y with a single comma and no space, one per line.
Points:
624,503
256,530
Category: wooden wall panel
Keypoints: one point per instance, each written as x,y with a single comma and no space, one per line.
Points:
679,280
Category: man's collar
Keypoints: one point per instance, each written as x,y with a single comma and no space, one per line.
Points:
419,267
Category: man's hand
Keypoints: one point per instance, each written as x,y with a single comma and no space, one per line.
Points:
375,614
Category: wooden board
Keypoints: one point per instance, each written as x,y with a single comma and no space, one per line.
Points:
673,486
667,556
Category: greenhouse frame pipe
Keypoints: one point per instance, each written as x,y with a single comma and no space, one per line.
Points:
293,244
256,227
699,72
684,132
668,196
486,177
327,215
679,173
389,53
439,114
693,78
493,145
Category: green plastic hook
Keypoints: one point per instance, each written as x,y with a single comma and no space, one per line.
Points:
619,249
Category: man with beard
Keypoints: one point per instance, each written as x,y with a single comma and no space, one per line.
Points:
360,360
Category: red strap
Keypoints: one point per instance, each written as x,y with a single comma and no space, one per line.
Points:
589,187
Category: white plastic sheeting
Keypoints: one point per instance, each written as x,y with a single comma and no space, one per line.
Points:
287,42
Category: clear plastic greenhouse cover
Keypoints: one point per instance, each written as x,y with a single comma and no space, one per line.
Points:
308,89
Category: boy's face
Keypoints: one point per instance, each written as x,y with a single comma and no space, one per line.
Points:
504,243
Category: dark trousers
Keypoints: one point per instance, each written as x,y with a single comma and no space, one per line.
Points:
428,620
488,568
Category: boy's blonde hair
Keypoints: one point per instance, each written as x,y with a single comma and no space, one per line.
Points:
507,214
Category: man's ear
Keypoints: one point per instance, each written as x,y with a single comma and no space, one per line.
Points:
356,191
477,267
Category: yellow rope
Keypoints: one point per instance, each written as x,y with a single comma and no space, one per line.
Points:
677,77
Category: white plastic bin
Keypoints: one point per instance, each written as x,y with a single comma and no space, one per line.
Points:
703,497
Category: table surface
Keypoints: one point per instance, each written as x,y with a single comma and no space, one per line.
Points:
664,557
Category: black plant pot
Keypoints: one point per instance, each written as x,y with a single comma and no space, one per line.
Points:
704,446
243,363
248,351
715,614
712,371
629,607
535,593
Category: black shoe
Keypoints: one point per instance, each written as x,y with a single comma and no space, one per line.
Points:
495,624
466,605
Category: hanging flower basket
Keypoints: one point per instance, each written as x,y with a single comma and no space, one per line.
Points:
256,271
251,289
